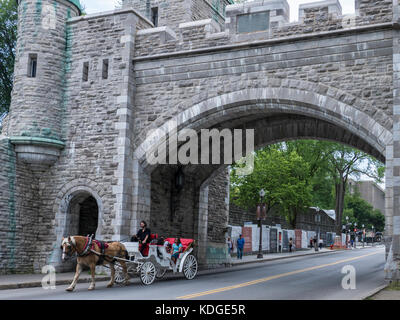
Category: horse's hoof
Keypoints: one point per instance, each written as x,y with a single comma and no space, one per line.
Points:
70,289
110,285
91,288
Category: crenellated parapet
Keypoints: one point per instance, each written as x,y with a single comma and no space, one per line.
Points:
263,20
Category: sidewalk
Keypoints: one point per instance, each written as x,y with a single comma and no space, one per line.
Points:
278,256
18,281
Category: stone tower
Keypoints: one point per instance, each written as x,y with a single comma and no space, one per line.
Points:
37,110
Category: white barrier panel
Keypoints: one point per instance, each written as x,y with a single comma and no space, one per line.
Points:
236,232
343,239
304,240
256,238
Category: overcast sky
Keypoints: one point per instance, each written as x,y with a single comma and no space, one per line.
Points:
93,6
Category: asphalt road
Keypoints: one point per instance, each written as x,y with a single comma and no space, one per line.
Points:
312,277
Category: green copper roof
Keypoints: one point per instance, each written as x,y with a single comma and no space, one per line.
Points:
74,2
77,4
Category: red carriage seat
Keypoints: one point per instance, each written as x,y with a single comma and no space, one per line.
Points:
185,242
146,249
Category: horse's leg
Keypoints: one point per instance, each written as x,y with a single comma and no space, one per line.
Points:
111,283
93,273
125,270
76,277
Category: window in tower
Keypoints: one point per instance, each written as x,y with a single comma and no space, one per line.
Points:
105,69
32,65
85,73
154,16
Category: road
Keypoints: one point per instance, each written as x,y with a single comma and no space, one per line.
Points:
303,278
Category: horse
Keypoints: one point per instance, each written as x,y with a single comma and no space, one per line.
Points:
91,253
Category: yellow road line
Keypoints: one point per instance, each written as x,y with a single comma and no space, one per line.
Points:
250,283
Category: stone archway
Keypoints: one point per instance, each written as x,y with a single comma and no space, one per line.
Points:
278,114
79,211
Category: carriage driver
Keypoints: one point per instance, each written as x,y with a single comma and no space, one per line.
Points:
143,236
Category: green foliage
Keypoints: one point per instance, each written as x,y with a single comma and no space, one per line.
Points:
284,177
360,211
8,36
297,174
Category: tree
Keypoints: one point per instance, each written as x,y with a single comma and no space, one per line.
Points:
8,37
331,166
345,162
315,153
283,176
360,211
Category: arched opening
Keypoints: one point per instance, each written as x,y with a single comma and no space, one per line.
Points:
276,115
88,217
83,215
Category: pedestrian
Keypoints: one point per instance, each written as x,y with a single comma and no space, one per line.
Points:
230,245
240,246
311,242
290,244
321,242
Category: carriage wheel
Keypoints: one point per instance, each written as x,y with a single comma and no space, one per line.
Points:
190,267
119,275
161,273
148,273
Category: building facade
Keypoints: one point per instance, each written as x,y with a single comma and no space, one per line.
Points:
370,192
89,91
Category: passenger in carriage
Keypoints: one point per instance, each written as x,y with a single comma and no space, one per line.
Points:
143,236
177,249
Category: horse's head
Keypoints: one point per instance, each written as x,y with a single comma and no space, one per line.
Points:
68,247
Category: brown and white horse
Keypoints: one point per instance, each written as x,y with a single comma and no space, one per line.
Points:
83,246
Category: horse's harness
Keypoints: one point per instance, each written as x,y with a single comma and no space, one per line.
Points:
89,249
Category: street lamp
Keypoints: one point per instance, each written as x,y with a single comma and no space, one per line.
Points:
261,215
355,235
363,237
317,220
373,235
347,232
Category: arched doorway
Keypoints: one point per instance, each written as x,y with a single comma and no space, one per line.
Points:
79,212
88,217
83,215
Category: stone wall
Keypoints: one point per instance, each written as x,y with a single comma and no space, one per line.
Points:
173,212
20,223
353,68
97,111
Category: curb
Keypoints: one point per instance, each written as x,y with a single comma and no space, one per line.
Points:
373,292
35,284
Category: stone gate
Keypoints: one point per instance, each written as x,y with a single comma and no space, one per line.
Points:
90,89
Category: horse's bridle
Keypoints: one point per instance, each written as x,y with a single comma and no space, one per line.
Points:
85,250
70,252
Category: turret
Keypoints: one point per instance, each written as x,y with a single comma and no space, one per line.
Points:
37,108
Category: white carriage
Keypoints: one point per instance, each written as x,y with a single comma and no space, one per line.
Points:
157,262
